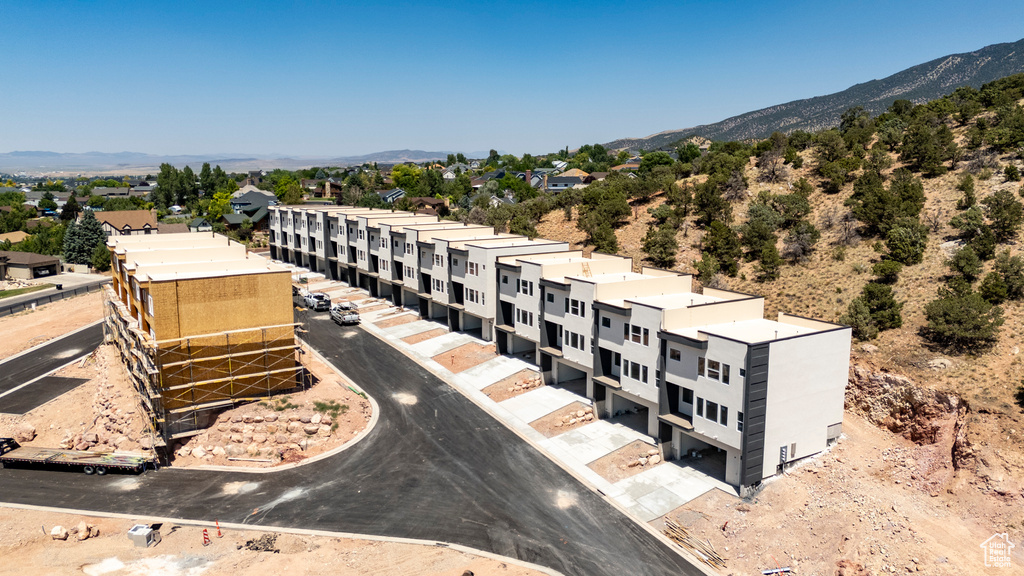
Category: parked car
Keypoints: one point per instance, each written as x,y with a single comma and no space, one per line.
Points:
344,316
318,301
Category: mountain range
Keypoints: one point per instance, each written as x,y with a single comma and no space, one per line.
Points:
918,84
137,163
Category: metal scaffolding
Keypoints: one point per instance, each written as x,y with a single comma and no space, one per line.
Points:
183,382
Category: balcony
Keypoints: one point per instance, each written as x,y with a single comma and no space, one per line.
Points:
677,419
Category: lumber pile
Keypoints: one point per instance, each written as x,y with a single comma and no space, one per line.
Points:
700,548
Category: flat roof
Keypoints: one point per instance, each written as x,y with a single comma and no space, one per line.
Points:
747,331
677,300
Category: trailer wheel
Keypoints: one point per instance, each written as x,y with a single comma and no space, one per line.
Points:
89,469
101,471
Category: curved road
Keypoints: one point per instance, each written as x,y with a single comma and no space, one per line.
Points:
437,469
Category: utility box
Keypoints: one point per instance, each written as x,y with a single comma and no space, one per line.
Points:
143,536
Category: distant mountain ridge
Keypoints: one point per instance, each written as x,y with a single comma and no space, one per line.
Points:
34,161
918,84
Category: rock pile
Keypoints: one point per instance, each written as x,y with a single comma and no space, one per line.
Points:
111,427
527,383
83,531
652,457
264,435
576,417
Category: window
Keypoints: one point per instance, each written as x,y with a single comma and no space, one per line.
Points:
149,302
714,368
409,249
362,255
504,279
473,295
712,411
743,373
700,407
455,261
394,243
383,242
687,396
635,371
638,334
674,354
606,322
473,268
525,287
576,308
349,230
438,260
384,265
739,421
524,317
361,233
319,245
723,416
438,285
616,358
550,297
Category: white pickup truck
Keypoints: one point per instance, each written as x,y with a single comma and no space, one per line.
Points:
343,313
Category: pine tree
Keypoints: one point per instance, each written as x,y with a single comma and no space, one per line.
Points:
661,246
770,267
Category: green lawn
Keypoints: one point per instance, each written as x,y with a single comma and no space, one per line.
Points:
18,291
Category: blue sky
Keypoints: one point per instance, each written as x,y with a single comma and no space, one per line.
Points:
348,78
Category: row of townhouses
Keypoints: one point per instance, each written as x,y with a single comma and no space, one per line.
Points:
707,369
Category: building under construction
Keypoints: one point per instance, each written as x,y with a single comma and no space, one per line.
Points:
201,324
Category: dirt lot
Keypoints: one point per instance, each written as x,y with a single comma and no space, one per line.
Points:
26,549
33,327
422,336
564,419
101,414
513,386
631,459
465,357
863,505
397,320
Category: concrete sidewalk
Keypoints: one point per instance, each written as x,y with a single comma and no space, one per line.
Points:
647,495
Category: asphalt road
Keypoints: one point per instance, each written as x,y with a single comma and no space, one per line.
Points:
39,393
49,357
435,467
14,304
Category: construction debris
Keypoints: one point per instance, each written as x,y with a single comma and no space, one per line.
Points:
700,548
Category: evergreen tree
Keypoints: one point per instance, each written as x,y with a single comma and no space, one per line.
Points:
71,209
966,263
993,288
722,243
101,258
1011,268
858,317
906,241
962,320
887,271
770,267
47,202
82,238
74,248
661,246
1006,214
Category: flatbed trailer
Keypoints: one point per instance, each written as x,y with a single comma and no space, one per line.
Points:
13,455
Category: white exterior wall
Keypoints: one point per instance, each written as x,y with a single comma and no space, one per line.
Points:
684,373
437,271
529,303
610,338
584,292
483,282
650,319
806,389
